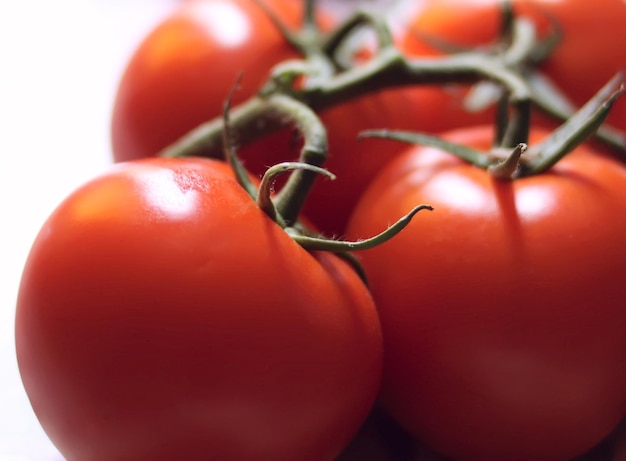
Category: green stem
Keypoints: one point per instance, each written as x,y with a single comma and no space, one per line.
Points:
291,37
575,130
388,69
524,41
550,100
358,20
470,155
230,152
342,246
256,117
308,19
518,127
501,120
206,140
264,195
506,169
546,45
307,40
291,198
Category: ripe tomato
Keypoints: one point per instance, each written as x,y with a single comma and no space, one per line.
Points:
502,310
585,59
619,448
355,162
162,315
182,72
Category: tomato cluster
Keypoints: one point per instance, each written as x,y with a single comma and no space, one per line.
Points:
212,308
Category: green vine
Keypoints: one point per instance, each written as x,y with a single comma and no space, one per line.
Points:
297,90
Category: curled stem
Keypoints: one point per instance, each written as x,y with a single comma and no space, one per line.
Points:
342,246
524,41
291,198
358,20
264,195
206,140
546,45
253,118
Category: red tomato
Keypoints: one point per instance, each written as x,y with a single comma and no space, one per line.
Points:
503,309
355,162
182,72
162,315
619,448
585,59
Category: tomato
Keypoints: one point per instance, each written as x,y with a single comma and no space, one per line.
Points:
162,315
585,59
182,72
502,310
355,162
619,449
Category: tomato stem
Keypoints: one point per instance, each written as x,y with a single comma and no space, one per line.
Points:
324,87
282,102
264,195
341,246
539,157
303,39
230,154
291,198
550,100
575,130
525,52
523,42
518,127
507,168
360,19
470,155
389,68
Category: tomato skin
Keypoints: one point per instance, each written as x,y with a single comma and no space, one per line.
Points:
162,315
354,161
503,309
585,59
183,71
619,449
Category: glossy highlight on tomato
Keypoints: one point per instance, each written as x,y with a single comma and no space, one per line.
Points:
182,72
502,310
162,315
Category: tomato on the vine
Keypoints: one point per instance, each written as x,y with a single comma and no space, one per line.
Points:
502,310
182,72
585,58
181,75
163,315
355,162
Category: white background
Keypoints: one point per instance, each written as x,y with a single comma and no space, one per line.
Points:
60,61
